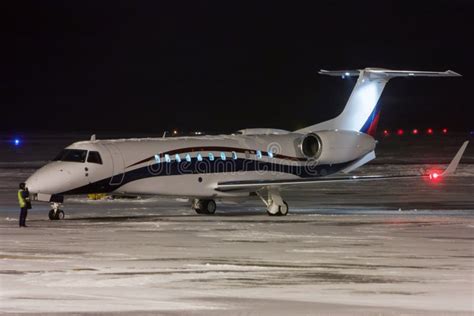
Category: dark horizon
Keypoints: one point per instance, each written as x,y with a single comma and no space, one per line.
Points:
149,67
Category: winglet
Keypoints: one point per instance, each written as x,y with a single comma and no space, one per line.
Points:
455,162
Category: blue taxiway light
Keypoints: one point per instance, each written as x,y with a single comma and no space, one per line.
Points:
16,142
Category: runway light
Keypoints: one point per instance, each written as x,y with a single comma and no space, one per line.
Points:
429,131
445,130
400,132
415,131
175,132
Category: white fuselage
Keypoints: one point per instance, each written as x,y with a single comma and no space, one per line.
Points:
193,166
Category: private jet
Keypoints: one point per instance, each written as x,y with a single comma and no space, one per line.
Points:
251,162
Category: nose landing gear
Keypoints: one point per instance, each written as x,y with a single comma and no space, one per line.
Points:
55,213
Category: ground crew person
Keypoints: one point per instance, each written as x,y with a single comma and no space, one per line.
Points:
25,204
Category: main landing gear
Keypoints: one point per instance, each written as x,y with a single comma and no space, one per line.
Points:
204,206
275,204
55,213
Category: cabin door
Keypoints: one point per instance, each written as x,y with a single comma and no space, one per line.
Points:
118,165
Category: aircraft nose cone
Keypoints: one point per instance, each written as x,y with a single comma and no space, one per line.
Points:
32,183
56,177
48,180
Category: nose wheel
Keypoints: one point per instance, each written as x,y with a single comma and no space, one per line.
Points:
55,213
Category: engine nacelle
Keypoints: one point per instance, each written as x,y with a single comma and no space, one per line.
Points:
332,147
310,146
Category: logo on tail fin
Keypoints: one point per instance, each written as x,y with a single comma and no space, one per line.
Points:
370,126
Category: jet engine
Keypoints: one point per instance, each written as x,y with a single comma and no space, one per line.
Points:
311,146
335,146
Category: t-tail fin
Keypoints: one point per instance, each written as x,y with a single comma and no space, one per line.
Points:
362,111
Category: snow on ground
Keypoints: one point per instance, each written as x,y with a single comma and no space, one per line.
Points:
169,259
399,248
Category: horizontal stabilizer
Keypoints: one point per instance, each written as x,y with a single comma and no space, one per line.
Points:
380,72
340,73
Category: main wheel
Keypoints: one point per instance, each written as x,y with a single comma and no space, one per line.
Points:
51,215
278,210
60,214
198,210
211,207
284,209
204,206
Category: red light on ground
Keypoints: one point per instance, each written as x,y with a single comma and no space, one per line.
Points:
415,132
386,132
445,130
400,132
429,131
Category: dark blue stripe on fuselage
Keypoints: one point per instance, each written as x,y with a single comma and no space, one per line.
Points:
173,168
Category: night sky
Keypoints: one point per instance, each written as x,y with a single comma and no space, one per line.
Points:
137,66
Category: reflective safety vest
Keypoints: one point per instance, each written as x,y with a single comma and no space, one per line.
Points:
21,199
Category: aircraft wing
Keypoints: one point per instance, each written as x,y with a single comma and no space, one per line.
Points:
253,186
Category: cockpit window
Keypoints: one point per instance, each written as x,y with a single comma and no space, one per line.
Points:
74,155
94,157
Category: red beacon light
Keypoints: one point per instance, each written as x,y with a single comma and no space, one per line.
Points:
445,130
435,175
386,132
400,132
429,131
414,131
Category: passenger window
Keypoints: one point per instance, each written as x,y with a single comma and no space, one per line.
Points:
259,154
234,155
199,157
270,154
167,158
94,157
188,158
222,155
211,156
177,158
